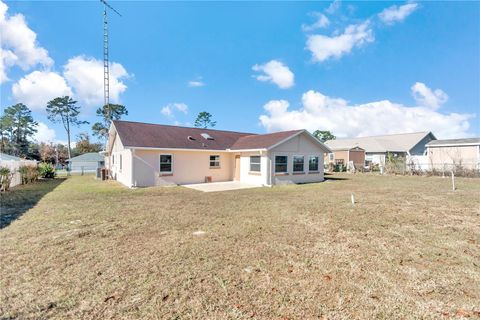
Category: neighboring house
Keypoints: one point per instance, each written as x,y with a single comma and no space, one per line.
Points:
409,145
14,163
447,154
142,154
87,162
345,155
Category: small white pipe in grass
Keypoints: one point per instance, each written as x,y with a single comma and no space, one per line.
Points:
353,200
453,182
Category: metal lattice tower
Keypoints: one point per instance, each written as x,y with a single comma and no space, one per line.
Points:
106,67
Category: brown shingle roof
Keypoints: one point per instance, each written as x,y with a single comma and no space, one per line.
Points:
147,135
262,141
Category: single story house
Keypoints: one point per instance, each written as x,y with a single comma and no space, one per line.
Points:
87,162
345,155
143,154
377,147
447,154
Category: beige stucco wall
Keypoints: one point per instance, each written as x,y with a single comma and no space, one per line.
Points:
188,167
341,155
299,145
141,167
123,175
444,157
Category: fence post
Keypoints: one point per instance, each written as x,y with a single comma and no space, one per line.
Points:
453,181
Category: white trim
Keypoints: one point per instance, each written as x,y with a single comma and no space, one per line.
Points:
318,162
133,182
160,163
245,150
275,162
472,144
323,146
210,161
199,150
293,163
286,139
250,163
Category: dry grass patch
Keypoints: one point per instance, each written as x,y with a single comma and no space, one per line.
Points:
409,248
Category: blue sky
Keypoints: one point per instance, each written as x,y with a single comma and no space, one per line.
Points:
355,68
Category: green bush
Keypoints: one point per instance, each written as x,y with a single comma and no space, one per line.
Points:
46,170
28,173
6,176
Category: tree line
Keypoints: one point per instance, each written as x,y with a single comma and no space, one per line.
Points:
17,128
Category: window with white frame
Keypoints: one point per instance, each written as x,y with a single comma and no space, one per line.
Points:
298,163
255,165
313,163
166,163
215,161
281,163
331,156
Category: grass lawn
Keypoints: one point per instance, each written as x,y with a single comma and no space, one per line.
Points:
81,248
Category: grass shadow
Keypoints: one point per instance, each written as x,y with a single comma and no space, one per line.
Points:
329,177
18,200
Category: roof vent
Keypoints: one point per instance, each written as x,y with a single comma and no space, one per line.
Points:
191,138
206,136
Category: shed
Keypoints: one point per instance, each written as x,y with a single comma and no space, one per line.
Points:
14,163
87,162
345,155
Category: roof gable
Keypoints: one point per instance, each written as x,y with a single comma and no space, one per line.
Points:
263,141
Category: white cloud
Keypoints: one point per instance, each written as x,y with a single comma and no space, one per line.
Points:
275,72
333,7
170,108
424,96
324,47
319,111
44,134
397,13
322,22
18,44
85,76
166,111
82,79
196,83
37,88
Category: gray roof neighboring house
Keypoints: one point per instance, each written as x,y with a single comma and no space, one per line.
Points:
403,142
7,157
454,142
87,157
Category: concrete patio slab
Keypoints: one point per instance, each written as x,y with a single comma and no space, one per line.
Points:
220,186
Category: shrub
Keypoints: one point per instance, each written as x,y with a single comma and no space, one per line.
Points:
46,170
28,173
394,164
6,176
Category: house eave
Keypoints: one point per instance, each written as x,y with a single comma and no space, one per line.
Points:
192,149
